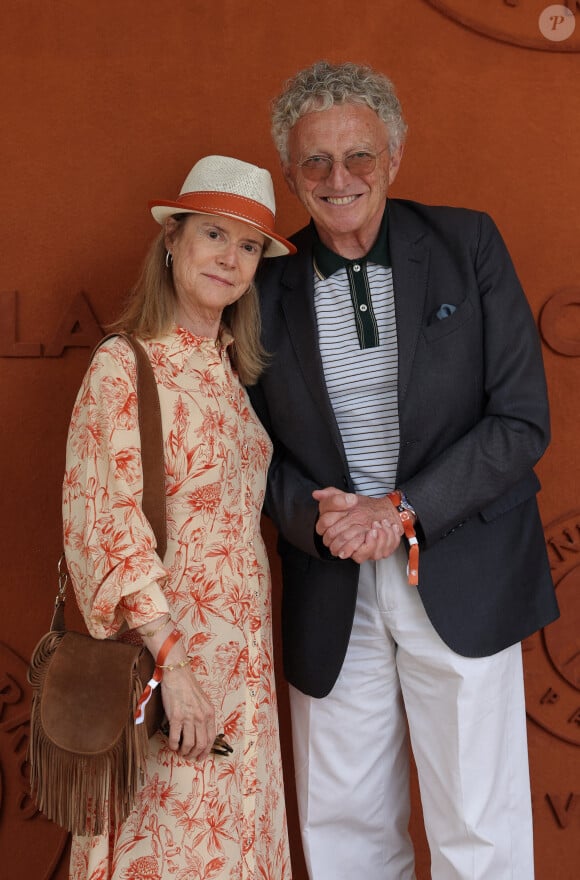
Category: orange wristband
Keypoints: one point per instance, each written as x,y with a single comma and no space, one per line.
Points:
411,535
155,679
166,647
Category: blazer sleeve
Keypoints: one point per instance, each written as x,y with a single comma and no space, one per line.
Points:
498,452
288,501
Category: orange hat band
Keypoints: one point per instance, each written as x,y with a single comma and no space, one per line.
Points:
228,203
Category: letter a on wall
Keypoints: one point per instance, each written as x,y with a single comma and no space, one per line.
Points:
78,327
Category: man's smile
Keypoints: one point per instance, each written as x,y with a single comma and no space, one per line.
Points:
340,200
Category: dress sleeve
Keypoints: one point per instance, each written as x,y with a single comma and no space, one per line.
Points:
110,546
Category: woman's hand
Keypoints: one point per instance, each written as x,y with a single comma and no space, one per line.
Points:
191,716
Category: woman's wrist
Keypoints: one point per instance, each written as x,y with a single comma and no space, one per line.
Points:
162,641
148,630
165,662
171,642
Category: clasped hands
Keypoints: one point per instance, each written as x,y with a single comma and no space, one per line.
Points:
356,526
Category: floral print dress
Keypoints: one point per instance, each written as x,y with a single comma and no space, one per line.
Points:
224,817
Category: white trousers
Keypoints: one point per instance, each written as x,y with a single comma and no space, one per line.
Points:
466,719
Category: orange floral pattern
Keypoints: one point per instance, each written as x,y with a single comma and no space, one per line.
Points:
225,817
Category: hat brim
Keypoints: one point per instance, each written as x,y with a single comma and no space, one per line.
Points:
277,247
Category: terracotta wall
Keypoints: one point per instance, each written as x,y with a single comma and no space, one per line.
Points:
107,104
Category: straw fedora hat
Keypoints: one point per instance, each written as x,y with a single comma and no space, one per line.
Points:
229,188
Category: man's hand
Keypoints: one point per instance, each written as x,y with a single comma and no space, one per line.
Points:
357,526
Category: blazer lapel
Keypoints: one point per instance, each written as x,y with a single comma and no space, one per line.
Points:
298,307
410,259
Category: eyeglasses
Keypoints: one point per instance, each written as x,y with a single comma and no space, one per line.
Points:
359,163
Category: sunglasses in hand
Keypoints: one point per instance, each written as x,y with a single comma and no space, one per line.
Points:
220,746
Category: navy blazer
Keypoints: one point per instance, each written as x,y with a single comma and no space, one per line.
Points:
473,419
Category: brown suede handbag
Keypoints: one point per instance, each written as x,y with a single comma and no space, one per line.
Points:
86,753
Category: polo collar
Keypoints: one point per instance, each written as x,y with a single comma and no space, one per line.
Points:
327,262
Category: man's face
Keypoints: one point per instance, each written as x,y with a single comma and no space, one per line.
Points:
344,206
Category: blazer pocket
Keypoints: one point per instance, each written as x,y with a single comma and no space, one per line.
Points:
526,488
437,328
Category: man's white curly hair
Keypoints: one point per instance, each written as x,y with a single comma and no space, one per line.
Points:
322,85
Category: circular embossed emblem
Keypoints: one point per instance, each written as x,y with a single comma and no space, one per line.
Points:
533,24
560,322
30,845
552,656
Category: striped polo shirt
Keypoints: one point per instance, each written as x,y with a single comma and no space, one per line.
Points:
355,312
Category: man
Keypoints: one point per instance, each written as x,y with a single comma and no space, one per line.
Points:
405,397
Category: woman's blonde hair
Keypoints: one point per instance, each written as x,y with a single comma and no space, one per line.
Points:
150,313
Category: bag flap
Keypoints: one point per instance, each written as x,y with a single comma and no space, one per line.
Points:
86,695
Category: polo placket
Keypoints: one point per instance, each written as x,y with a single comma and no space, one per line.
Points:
360,292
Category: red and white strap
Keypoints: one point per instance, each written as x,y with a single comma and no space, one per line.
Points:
157,676
411,535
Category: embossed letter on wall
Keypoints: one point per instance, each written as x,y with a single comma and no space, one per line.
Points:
78,327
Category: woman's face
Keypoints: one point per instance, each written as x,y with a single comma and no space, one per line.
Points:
214,262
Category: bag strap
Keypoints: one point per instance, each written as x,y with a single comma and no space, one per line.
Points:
150,429
152,451
152,461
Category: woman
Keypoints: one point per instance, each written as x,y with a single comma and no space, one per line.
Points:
198,815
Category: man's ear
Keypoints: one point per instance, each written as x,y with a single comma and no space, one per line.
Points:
289,178
395,163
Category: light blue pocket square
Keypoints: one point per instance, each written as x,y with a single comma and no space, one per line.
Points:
445,310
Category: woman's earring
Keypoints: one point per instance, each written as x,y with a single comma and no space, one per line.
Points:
168,260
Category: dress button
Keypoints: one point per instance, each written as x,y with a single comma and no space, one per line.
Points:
356,268
363,308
